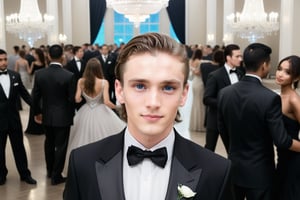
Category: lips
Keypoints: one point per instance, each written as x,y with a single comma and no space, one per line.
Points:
152,117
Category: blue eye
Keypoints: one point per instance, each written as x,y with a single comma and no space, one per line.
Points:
140,86
168,88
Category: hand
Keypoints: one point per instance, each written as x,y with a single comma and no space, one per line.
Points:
38,118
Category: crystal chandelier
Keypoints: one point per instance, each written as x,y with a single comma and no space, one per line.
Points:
253,23
137,11
28,24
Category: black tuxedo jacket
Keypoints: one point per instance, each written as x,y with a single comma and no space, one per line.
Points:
72,67
206,69
9,112
216,81
55,87
108,66
95,171
250,115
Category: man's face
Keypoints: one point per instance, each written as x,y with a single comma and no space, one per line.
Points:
153,90
79,53
104,50
3,61
236,58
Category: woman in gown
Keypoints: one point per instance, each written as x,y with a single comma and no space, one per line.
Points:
288,165
198,110
22,67
39,63
95,119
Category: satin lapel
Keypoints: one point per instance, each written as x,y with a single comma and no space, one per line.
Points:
12,80
180,175
110,178
2,91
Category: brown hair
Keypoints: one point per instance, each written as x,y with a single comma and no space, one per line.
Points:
150,43
92,70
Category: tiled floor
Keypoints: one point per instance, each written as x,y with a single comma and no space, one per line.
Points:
16,190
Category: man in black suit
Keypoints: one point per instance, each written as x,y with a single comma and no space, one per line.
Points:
11,88
77,66
226,75
108,63
250,115
55,88
148,159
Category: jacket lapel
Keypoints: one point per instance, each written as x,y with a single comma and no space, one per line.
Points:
110,173
184,170
180,175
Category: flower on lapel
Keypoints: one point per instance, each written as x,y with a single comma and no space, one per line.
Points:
185,192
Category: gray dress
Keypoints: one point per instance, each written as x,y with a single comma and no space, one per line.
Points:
94,121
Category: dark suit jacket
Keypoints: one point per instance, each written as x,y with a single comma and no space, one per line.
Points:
9,112
72,67
217,80
55,86
206,69
95,171
108,66
251,115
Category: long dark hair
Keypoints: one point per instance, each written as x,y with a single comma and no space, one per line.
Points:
92,71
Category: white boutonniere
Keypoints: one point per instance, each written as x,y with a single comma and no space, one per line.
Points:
185,192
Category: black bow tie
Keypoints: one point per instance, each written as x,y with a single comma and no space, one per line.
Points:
136,155
3,72
232,71
78,60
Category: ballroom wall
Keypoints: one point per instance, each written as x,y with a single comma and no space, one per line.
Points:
74,21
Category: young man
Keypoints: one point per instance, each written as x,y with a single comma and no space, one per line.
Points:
229,74
149,159
250,115
55,88
11,88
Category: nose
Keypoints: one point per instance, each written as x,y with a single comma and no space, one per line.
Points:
153,99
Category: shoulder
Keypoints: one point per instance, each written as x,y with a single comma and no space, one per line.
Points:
103,149
294,100
198,155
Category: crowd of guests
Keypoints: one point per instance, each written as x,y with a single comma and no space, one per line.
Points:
73,92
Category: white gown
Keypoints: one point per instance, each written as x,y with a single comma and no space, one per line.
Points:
94,121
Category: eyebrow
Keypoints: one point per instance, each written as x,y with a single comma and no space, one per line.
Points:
170,81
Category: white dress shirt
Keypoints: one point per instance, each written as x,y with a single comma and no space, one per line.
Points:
146,180
78,63
232,76
5,83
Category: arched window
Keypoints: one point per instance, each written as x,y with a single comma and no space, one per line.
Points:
123,30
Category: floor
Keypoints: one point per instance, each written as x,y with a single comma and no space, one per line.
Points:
14,189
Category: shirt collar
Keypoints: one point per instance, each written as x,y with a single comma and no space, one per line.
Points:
228,68
255,76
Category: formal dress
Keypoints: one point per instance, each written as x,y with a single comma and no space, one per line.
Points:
198,109
24,75
288,165
93,121
32,126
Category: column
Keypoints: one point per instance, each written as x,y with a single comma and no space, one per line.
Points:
286,28
2,26
67,20
52,9
211,22
228,9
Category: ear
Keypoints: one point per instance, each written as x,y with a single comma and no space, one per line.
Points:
184,95
119,91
